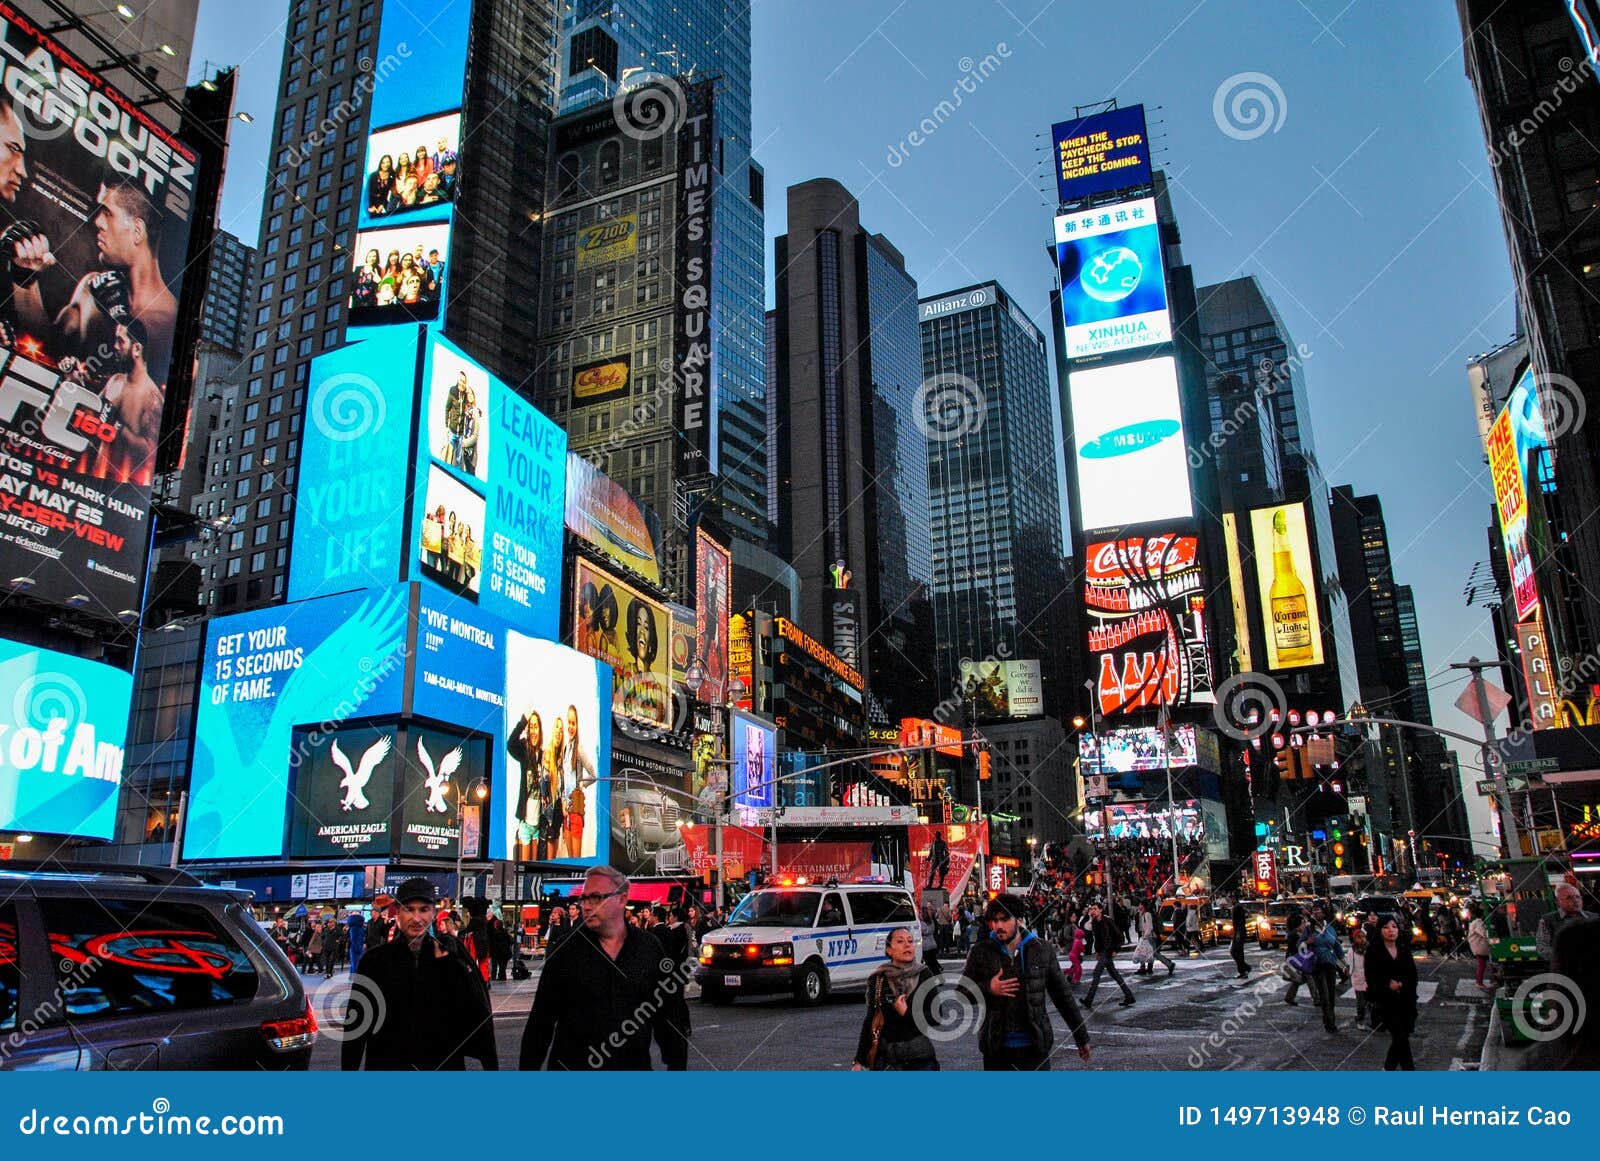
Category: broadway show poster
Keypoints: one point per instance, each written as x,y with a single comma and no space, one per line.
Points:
558,747
1147,644
95,207
713,564
629,632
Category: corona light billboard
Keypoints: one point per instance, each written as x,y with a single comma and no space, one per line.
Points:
1286,577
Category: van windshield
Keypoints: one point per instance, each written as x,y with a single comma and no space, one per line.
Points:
775,909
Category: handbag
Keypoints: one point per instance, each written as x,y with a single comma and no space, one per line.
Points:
1303,961
877,1026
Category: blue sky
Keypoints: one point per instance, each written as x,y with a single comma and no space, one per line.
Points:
1366,210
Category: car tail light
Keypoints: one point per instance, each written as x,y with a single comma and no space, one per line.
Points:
287,1035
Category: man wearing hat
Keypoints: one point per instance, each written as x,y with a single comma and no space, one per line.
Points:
1015,971
414,1005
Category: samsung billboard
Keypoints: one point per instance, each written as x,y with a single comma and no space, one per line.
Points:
1113,282
1131,459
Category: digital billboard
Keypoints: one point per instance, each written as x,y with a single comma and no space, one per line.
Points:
96,201
311,664
1113,282
343,792
1145,602
1286,577
755,745
63,726
629,632
1132,462
441,776
713,607
649,799
398,274
1517,430
1099,153
1146,820
413,169
603,512
1135,748
558,746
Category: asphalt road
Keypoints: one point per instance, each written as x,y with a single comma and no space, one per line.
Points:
1200,1018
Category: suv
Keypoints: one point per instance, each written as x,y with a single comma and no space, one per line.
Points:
125,968
804,940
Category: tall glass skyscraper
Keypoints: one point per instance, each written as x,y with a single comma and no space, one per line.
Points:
610,44
991,480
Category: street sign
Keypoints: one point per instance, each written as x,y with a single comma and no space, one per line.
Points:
1496,698
1533,766
1486,785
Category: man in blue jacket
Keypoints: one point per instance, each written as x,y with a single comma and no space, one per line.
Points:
1014,971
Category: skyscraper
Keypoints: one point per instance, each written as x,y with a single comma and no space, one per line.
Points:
851,479
993,498
303,283
609,45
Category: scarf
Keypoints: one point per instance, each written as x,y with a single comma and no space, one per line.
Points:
898,979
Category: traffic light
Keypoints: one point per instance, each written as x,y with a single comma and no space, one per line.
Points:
984,772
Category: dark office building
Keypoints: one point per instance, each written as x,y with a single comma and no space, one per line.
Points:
851,485
308,223
225,319
1540,110
995,505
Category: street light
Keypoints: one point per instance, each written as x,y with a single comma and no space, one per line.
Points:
480,791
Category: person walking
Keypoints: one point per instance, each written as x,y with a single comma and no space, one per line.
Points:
414,1004
1392,984
1358,970
900,1011
1107,939
1191,930
1075,956
1294,932
355,938
1241,920
1016,972
606,991
1478,942
332,937
1150,930
1324,943
499,948
944,927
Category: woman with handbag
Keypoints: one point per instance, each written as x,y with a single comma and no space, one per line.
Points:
900,998
1392,987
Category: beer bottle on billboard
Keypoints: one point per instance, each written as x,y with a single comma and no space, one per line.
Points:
1291,615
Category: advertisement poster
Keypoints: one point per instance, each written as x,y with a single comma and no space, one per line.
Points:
343,792
1135,748
412,168
602,381
607,241
1516,430
603,513
1144,601
848,862
441,776
629,632
649,800
1113,283
743,850
713,607
1132,463
94,230
942,857
1099,153
926,732
63,726
755,745
1286,577
1024,689
398,274
313,664
558,747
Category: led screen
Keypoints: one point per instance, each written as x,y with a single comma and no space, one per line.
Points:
755,745
413,170
1132,464
631,633
1135,748
1286,577
1113,285
1103,152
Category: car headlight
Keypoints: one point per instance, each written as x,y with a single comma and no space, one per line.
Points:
705,953
781,949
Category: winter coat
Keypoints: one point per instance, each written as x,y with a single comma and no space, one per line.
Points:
1396,1009
1036,964
1477,937
434,1012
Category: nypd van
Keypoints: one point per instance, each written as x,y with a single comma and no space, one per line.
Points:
805,940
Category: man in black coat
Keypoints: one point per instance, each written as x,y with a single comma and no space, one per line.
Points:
414,1005
1107,939
605,991
1241,920
1016,971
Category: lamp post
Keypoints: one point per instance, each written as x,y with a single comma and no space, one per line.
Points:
480,791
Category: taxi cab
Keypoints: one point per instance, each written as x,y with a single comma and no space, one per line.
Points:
803,939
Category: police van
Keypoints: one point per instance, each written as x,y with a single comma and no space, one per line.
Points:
804,939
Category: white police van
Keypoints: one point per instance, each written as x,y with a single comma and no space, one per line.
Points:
805,939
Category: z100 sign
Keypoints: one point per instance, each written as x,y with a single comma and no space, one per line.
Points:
1145,599
95,202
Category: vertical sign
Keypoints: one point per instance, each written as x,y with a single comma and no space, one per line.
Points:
692,325
1535,647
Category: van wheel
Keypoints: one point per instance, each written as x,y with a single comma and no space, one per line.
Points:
717,995
811,985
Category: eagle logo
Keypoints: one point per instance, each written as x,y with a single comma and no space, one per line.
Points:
354,782
437,780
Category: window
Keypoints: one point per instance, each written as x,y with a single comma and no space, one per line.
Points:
832,914
185,957
880,907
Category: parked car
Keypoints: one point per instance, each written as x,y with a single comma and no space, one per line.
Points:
137,968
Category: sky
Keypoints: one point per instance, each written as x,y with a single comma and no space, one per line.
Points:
1357,190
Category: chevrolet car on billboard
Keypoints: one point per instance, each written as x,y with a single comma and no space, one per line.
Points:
1113,283
1132,462
95,207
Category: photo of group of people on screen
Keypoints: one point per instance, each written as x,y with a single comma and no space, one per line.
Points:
413,166
403,277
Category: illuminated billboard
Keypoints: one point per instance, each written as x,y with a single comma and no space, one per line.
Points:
398,274
1145,603
1103,152
343,793
1286,577
713,607
1518,429
630,632
607,241
1009,689
1135,748
558,742
1132,463
413,169
96,200
1113,282
63,725
755,745
695,316
600,381
1146,820
926,732
604,513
